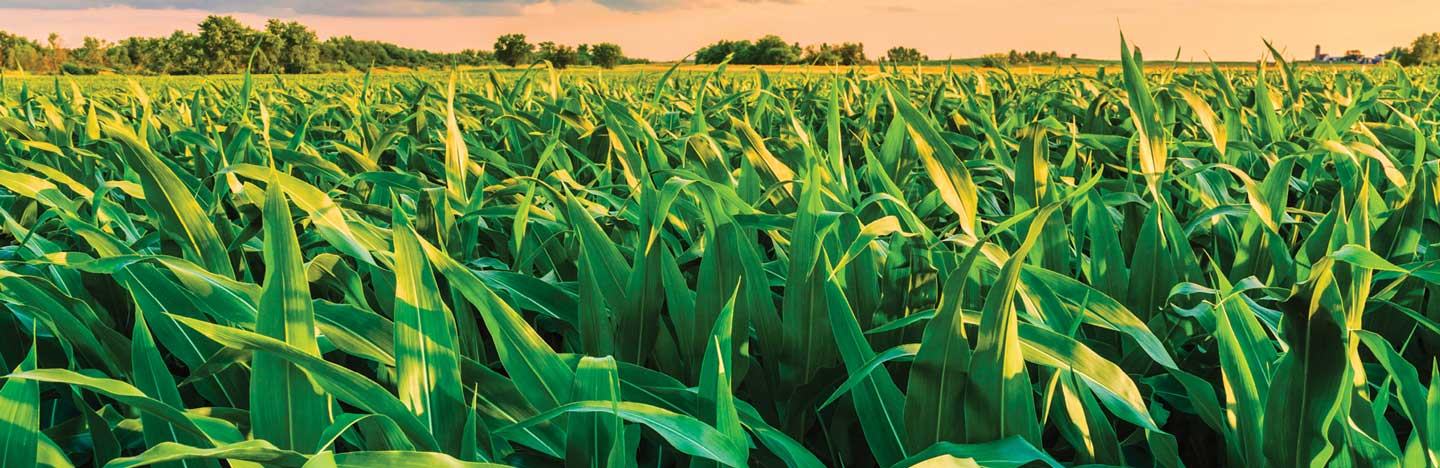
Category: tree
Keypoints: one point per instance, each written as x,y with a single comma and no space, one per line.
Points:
843,54
771,50
19,52
606,55
1015,57
475,57
582,53
716,53
136,54
225,44
348,52
93,52
296,47
512,49
851,53
900,54
768,50
560,56
1424,51
181,54
1397,54
57,53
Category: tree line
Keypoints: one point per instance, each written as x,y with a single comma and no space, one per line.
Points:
1029,57
514,49
225,45
773,50
1424,50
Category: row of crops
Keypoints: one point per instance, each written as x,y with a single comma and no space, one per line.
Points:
1145,267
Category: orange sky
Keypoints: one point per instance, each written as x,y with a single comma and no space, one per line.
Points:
670,29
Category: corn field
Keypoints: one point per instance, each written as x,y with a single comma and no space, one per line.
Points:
1147,266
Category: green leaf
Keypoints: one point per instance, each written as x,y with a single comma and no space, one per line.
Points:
180,426
934,399
596,440
544,379
1154,149
717,398
20,417
878,401
1308,390
392,459
684,433
160,423
1011,451
1116,391
327,217
427,365
999,401
807,339
183,218
603,277
257,451
946,171
344,384
285,407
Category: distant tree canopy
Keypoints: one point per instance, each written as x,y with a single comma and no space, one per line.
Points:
843,54
901,54
1425,50
719,51
772,50
1028,57
300,44
347,52
768,50
512,49
223,44
19,52
560,56
605,55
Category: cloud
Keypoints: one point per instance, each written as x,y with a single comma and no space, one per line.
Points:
399,8
638,5
365,8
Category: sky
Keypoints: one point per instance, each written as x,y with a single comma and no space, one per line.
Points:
672,29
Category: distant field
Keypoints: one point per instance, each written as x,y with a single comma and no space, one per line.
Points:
12,82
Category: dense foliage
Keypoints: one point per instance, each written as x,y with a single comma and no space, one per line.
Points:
901,54
768,50
603,55
849,53
513,49
1015,57
773,50
15,50
1208,267
224,45
1425,50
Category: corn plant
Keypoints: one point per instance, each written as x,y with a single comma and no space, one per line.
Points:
1147,267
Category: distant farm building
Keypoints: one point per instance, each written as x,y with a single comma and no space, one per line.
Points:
1351,56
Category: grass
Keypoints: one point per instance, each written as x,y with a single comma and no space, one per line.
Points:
1149,265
